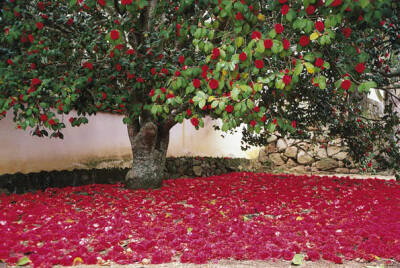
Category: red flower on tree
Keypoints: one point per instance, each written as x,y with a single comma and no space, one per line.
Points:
196,83
242,56
253,123
346,32
304,40
360,67
286,44
259,64
194,121
229,108
284,9
287,79
126,2
256,35
239,16
213,83
319,62
336,3
39,25
320,26
310,10
114,34
279,28
268,43
346,84
215,53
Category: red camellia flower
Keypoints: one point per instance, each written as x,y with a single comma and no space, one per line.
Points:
256,35
304,40
10,62
287,79
242,56
310,10
284,9
52,122
283,1
40,5
43,118
268,43
71,119
153,71
36,81
319,62
336,3
360,68
194,121
229,108
170,96
320,26
163,90
181,59
279,28
188,112
196,83
239,16
346,84
118,67
264,118
256,109
286,44
253,123
39,25
215,53
259,64
101,2
126,2
152,92
114,34
33,66
213,83
294,124
346,32
130,52
31,38
164,71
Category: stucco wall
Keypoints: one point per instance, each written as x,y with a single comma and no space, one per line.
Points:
105,137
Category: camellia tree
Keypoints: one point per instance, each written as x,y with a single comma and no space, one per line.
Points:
274,65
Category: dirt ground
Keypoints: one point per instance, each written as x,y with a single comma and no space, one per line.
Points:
259,264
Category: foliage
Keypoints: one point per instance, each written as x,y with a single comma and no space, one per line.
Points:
244,216
282,65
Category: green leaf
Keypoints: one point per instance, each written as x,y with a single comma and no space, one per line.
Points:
297,259
260,46
250,104
271,127
364,3
290,15
202,103
23,261
272,33
298,69
239,41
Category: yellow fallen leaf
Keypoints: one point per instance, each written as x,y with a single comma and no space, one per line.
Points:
299,218
77,260
261,17
314,36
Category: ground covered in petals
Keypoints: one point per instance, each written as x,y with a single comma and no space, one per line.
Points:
238,216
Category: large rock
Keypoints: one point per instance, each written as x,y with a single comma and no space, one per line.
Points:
290,163
276,159
341,155
298,169
291,152
272,138
271,148
320,152
332,150
327,164
263,155
304,158
197,170
304,146
281,145
342,170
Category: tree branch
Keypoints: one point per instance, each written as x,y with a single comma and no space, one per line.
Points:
389,75
149,13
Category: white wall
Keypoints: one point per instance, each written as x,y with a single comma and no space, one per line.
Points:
105,137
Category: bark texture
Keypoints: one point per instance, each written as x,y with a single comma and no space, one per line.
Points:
149,148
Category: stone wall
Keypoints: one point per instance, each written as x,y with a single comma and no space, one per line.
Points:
304,156
176,167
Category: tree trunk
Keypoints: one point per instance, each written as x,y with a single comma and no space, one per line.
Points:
149,144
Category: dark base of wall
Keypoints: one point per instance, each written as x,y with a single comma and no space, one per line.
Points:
175,168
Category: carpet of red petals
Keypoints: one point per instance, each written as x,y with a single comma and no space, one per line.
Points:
243,216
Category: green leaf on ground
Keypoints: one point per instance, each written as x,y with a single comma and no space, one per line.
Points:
297,259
